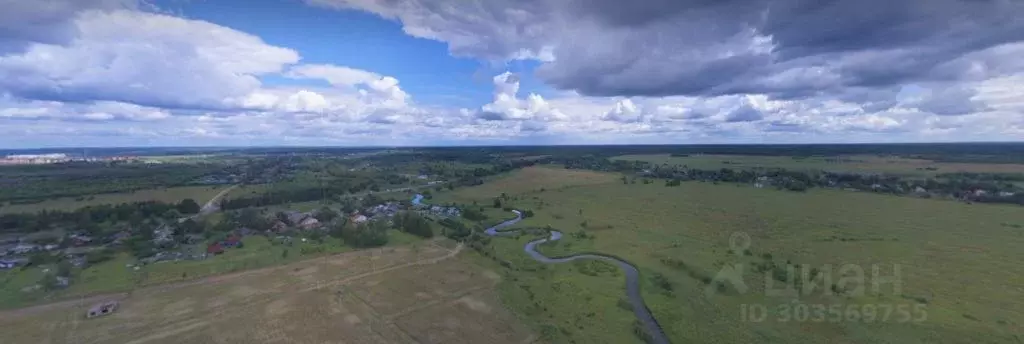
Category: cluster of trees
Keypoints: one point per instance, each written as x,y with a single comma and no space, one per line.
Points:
372,233
473,214
413,223
34,183
89,218
276,197
455,229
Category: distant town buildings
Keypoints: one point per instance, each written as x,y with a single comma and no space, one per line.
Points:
56,158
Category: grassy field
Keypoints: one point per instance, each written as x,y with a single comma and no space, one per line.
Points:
171,195
391,295
853,163
248,191
533,179
683,234
114,276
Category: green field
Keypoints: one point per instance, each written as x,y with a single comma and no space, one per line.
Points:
200,194
682,233
114,276
852,163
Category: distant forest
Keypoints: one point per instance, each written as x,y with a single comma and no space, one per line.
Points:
987,152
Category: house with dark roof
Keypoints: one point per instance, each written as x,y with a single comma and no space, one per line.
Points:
232,241
295,217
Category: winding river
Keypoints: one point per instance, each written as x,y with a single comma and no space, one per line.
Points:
643,314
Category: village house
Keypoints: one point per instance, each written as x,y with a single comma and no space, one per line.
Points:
62,281
386,209
163,235
444,211
357,219
119,237
232,241
24,248
295,217
80,239
214,248
309,223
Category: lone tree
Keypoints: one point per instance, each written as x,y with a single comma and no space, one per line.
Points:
497,202
188,206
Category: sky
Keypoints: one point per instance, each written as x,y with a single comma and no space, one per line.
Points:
117,73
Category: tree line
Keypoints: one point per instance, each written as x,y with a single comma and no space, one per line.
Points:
89,218
979,187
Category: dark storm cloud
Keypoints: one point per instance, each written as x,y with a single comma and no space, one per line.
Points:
44,21
869,43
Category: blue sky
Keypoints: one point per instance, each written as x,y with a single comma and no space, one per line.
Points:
365,41
450,72
354,39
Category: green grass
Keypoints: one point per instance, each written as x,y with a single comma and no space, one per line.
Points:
248,191
941,246
200,194
853,163
560,303
527,180
114,276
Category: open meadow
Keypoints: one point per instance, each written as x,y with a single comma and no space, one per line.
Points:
423,293
532,179
849,163
959,273
116,276
169,195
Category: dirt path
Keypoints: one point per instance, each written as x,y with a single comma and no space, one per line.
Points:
211,205
451,253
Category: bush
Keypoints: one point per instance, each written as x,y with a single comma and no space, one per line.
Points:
662,282
473,214
188,206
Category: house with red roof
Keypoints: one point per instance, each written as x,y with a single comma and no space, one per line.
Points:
214,248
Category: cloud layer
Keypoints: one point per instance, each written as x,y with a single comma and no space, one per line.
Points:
120,72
